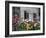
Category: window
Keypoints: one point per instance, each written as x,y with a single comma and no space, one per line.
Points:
26,15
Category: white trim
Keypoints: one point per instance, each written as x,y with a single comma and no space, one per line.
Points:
24,32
